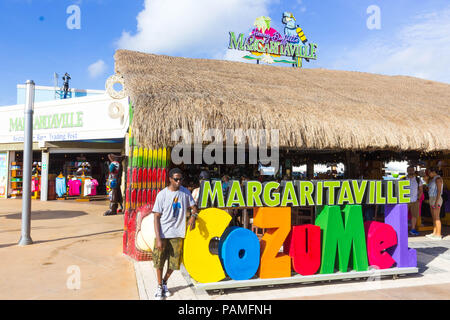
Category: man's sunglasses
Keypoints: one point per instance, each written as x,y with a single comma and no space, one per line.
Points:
177,179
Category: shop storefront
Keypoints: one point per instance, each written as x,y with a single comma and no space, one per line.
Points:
319,117
71,141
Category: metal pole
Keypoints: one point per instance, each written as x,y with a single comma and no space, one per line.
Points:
25,239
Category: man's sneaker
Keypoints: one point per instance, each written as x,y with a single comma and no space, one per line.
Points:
166,291
413,232
159,294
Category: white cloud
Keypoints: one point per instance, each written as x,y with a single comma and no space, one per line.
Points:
420,49
97,69
191,27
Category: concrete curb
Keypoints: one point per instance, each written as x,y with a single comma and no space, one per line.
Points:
180,283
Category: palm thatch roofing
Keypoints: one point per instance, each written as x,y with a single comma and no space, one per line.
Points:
313,109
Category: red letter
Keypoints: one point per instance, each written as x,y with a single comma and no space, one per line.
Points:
303,245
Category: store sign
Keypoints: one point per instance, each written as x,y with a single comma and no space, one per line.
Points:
52,121
338,232
304,193
86,118
268,45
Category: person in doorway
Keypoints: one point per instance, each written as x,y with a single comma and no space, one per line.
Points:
204,176
225,184
416,191
114,182
170,209
435,190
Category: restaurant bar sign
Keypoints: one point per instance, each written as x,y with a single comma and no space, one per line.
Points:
267,45
337,241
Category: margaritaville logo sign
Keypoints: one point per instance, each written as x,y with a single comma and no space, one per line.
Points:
268,45
338,239
51,121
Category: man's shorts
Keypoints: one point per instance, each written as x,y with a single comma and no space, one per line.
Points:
414,209
172,251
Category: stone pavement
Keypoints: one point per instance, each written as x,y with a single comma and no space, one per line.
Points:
68,237
432,282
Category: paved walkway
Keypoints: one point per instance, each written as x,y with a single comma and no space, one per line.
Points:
432,282
65,234
70,237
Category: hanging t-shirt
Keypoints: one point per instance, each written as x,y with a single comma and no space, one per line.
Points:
87,187
74,187
94,187
60,186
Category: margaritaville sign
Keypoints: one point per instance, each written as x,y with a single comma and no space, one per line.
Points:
266,44
339,240
49,121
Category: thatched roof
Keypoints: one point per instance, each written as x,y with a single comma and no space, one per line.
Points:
312,108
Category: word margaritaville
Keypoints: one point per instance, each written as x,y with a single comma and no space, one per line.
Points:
339,237
268,45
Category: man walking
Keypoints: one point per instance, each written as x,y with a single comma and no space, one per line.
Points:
170,209
416,191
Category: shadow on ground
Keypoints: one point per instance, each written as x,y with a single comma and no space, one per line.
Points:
47,215
65,238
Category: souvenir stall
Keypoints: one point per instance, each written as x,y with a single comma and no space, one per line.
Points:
16,175
80,177
306,117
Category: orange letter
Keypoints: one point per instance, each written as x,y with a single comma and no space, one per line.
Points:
278,222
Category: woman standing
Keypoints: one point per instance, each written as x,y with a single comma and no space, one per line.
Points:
435,189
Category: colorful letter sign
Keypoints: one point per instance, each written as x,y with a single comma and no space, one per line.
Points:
338,231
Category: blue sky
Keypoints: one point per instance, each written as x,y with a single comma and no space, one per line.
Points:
414,38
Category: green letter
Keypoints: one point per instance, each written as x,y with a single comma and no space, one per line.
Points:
319,193
289,195
268,201
305,192
331,185
335,235
235,191
79,119
391,199
345,194
371,192
359,191
403,194
253,190
206,192
236,44
274,47
380,198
